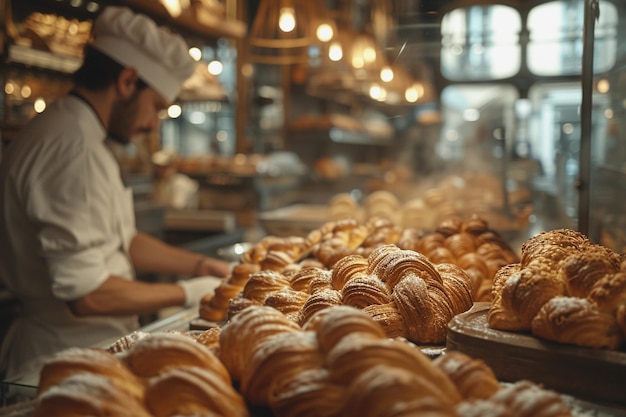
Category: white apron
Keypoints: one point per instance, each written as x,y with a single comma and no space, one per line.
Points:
66,223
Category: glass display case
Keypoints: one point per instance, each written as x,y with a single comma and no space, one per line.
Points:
607,133
498,123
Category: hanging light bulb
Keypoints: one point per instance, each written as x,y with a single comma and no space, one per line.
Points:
335,52
39,105
215,67
324,32
386,74
287,19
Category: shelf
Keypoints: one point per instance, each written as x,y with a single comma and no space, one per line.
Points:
203,24
43,59
339,135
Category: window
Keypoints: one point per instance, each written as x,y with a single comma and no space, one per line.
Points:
481,42
556,38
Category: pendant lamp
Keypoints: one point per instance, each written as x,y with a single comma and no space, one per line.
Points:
283,31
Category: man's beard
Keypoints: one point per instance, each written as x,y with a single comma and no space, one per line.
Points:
123,119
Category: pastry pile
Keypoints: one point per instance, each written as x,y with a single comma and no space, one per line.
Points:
158,375
338,263
565,289
340,363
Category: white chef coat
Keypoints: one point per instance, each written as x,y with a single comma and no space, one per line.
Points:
66,222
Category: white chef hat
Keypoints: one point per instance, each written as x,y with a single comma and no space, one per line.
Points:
160,57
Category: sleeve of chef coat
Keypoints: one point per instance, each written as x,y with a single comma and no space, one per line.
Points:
69,205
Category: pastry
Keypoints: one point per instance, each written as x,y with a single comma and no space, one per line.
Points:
460,244
472,377
386,391
92,361
241,272
287,300
276,260
609,292
162,351
318,301
457,285
581,270
193,391
577,321
347,268
301,280
365,290
126,342
277,359
389,317
526,291
425,315
340,321
308,394
262,283
526,399
241,335
87,394
210,338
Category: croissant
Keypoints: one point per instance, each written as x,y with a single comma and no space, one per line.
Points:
553,246
276,260
364,290
241,272
526,291
308,394
346,268
210,338
94,361
287,301
301,280
343,321
318,301
188,391
223,293
526,399
87,394
580,271
154,355
460,244
609,292
500,316
577,321
482,408
276,359
389,317
262,283
440,255
472,377
241,335
382,391
457,286
426,407
425,311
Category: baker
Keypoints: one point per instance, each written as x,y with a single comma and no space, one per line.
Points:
69,249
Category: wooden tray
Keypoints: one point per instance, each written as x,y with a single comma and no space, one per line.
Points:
590,374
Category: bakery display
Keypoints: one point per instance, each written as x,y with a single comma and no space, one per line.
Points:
589,374
335,322
340,263
565,289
